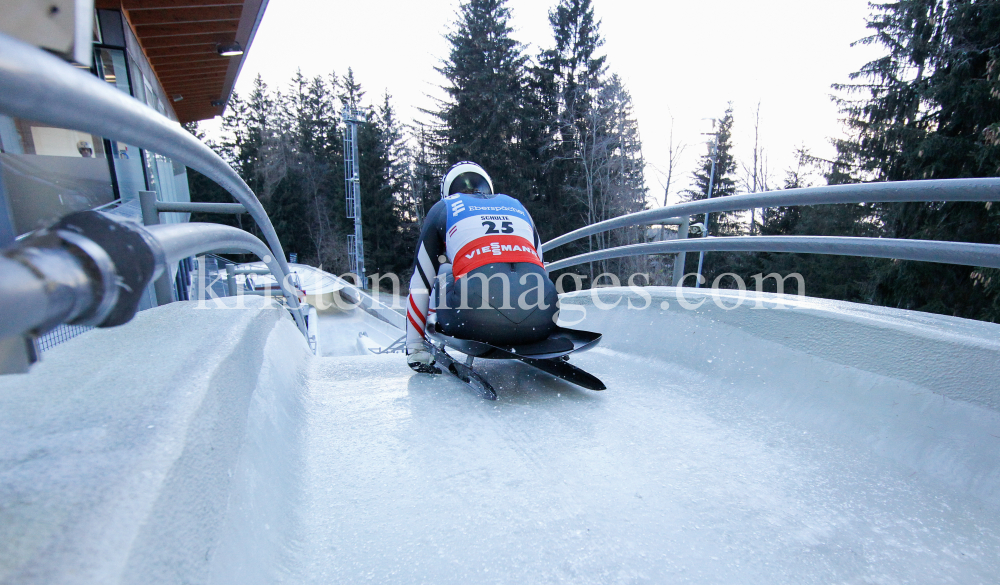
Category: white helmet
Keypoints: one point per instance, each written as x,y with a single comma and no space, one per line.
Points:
466,177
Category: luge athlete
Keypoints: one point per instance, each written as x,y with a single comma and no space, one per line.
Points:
497,290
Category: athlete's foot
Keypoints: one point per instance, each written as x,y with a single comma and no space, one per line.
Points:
422,362
425,368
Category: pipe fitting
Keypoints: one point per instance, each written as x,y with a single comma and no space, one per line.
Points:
121,259
87,269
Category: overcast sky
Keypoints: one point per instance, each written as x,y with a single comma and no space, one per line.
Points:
680,59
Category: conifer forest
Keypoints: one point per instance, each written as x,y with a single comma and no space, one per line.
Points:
555,128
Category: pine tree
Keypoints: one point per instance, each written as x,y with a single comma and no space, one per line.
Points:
257,153
925,111
384,173
244,132
289,148
724,183
779,221
318,169
567,80
577,70
246,125
351,93
619,177
485,73
280,145
889,114
426,173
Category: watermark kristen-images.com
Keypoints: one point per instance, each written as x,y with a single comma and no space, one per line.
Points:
531,297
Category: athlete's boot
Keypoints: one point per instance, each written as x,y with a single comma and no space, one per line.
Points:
422,362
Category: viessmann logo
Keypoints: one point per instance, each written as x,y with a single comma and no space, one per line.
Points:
498,249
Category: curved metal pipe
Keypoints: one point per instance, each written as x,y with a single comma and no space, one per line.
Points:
183,240
38,86
183,207
960,253
887,192
34,300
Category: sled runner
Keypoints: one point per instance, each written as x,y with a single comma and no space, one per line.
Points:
549,355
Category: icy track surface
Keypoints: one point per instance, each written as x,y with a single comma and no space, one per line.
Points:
412,479
829,443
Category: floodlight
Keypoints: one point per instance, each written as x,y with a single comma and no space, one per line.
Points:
230,49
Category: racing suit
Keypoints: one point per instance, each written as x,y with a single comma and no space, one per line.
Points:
497,291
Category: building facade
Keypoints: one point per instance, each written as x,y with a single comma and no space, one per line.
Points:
178,57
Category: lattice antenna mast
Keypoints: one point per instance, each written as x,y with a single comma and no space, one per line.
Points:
353,116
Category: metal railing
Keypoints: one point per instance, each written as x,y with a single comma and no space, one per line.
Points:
38,86
950,190
182,240
987,255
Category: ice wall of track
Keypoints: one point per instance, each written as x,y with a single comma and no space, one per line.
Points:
208,446
163,451
922,389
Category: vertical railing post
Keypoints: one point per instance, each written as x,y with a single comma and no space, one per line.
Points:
163,287
231,279
147,202
679,259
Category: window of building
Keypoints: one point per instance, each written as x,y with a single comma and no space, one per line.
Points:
49,172
112,67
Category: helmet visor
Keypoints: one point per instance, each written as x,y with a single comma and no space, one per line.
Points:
470,183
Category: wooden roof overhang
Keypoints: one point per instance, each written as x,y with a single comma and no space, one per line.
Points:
181,39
